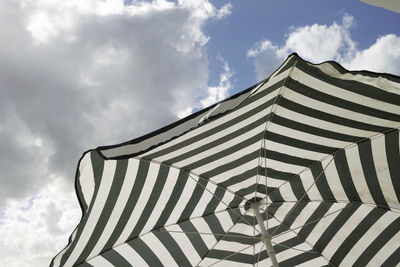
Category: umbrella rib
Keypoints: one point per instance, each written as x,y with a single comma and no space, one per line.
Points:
233,254
268,119
331,213
302,250
305,193
204,233
191,172
204,215
313,221
259,254
227,231
346,202
305,240
333,154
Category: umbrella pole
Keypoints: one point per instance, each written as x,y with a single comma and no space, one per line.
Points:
265,237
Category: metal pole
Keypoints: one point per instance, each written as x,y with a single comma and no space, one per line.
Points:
265,237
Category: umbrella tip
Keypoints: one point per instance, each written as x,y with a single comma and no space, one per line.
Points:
294,54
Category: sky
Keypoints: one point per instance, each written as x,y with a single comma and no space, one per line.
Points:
78,74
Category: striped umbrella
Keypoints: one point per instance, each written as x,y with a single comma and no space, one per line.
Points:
302,168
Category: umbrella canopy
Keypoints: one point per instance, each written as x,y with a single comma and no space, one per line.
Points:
302,168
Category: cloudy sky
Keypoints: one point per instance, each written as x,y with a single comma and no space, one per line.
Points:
77,74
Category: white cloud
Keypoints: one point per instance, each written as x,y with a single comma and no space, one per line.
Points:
78,74
318,43
382,56
219,92
224,11
213,94
33,230
24,157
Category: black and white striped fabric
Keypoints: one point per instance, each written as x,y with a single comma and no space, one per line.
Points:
316,145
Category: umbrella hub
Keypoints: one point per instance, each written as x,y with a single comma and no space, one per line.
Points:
253,201
255,206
